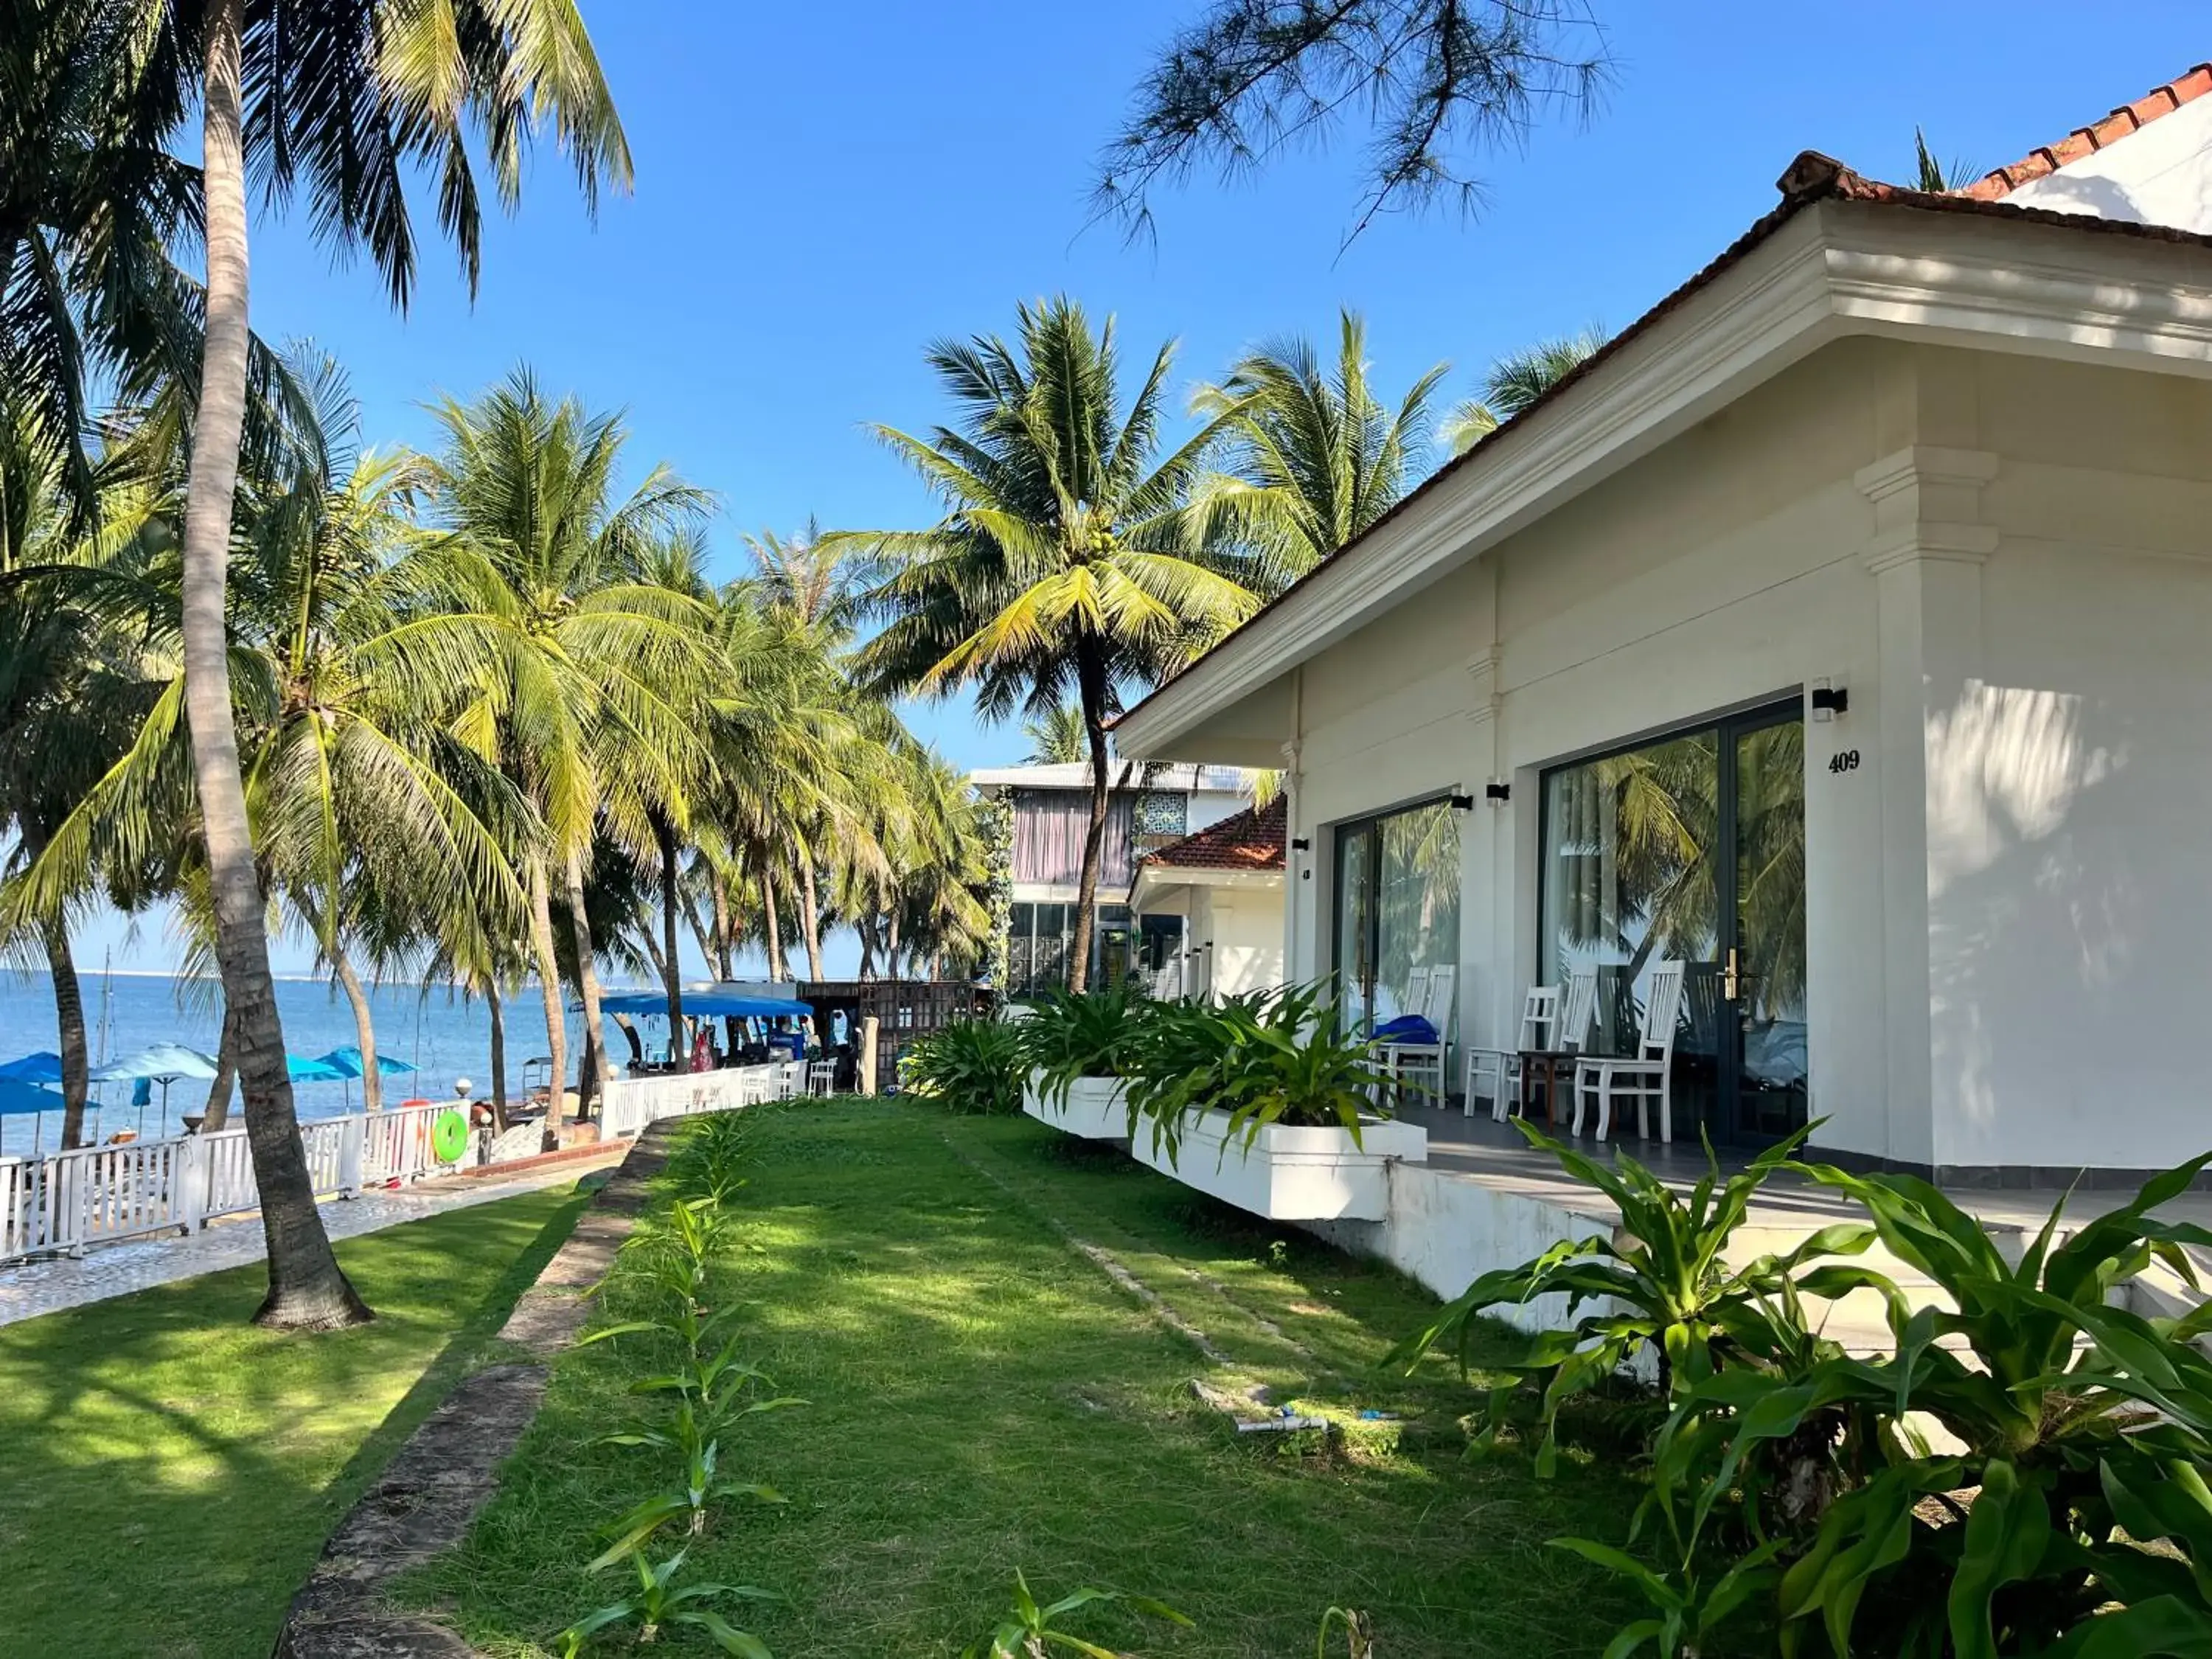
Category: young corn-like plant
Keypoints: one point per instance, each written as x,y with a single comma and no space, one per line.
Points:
661,1604
691,1503
1031,1630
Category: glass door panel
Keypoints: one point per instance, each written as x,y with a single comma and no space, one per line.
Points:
1771,1097
1355,928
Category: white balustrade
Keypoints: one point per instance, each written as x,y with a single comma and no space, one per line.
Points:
99,1194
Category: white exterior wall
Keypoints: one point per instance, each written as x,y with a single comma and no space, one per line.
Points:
2158,175
2003,561
1245,925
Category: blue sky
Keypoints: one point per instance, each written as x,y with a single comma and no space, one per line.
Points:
821,190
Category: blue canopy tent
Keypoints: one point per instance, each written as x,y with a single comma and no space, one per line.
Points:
350,1062
162,1063
708,1002
21,1099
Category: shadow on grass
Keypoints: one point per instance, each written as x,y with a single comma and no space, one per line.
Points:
982,1398
171,1470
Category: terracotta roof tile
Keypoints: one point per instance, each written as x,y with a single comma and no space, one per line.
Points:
1249,840
2128,119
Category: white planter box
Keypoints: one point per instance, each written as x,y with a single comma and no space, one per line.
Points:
1094,1109
1290,1174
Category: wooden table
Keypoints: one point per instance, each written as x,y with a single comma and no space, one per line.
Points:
1551,1062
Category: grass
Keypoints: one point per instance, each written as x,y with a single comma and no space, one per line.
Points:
983,1397
168,1473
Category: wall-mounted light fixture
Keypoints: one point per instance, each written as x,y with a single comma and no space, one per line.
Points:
1461,803
1828,699
1497,792
1300,844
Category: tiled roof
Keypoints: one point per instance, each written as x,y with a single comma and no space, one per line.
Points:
2128,119
1249,840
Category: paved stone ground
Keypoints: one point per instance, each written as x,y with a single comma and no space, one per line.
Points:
44,1287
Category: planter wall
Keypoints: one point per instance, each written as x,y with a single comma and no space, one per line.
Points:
1093,1110
1290,1174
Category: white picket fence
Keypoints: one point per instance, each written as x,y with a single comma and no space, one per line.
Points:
631,1102
100,1194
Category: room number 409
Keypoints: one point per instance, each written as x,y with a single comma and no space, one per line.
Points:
1845,760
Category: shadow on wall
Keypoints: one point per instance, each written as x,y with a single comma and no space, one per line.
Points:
2070,921
2103,198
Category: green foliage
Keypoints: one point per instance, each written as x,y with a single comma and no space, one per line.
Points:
1358,1633
1029,1631
659,1604
2025,1473
970,1065
1274,1057
1661,1285
1070,1035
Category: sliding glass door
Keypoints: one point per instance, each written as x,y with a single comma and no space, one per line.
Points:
1397,907
1692,848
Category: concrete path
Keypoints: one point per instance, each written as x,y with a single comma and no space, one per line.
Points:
44,1287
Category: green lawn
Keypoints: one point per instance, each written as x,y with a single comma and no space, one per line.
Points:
168,1473
984,1397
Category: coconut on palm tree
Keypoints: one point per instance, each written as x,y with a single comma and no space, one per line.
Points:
1326,456
1072,560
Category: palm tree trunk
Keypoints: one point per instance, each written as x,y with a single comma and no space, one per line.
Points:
549,982
809,914
699,935
217,1114
722,964
891,942
671,903
307,1288
774,932
866,927
69,1015
587,976
364,1026
1091,680
498,1052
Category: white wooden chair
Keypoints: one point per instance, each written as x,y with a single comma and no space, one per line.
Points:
1433,993
1564,1032
821,1077
1646,1075
1540,1016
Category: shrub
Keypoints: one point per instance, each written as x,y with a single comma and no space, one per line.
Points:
2066,1511
970,1065
1067,1036
1275,1057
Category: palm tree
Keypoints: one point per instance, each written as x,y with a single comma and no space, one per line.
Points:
1070,561
1056,737
586,708
68,699
1514,382
346,96
1932,175
1326,456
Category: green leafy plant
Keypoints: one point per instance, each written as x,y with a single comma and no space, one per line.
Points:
1275,1057
1029,1631
973,1066
1069,1036
659,1604
1358,1633
690,1503
1660,1286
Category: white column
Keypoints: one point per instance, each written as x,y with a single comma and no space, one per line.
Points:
1925,556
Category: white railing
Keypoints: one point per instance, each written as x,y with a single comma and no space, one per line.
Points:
628,1104
99,1194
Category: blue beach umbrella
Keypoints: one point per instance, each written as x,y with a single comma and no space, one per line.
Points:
348,1062
44,1066
313,1070
20,1099
162,1063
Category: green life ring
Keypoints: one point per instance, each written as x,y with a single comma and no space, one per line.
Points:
449,1136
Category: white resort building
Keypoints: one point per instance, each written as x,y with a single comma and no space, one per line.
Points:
1840,633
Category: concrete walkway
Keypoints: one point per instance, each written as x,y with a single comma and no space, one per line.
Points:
45,1287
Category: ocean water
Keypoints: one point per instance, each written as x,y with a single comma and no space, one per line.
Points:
430,1027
